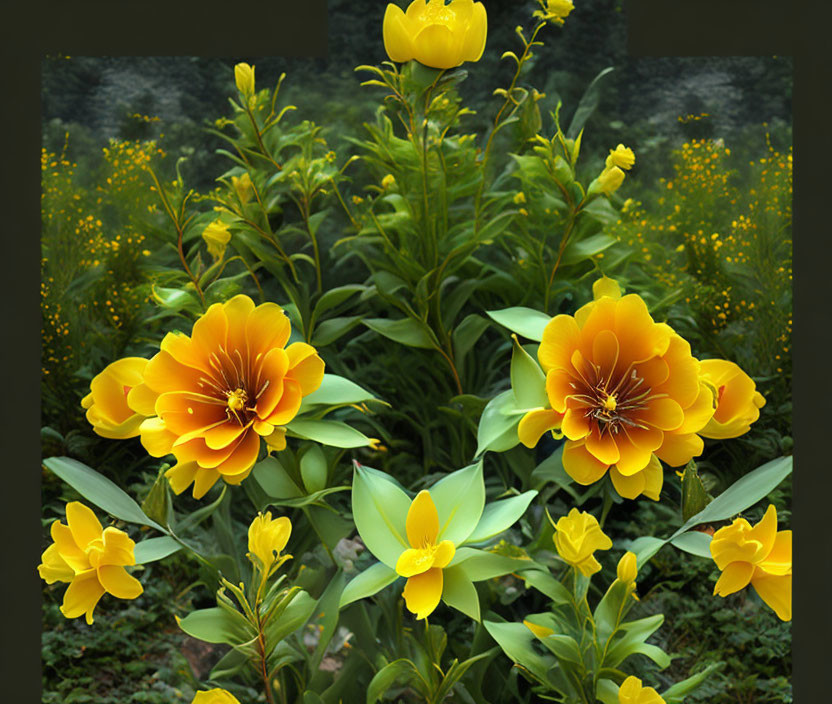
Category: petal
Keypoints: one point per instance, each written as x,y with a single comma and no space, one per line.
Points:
560,385
289,404
629,487
655,372
779,560
474,44
222,435
181,475
682,383
653,478
204,479
129,428
422,523
414,561
589,566
396,30
636,448
575,424
73,555
444,553
662,413
765,531
53,567
580,464
195,450
82,522
776,591
305,367
109,398
605,352
699,413
117,582
273,369
639,337
423,592
267,327
82,595
678,449
156,438
277,440
560,337
535,423
186,412
602,446
164,373
437,47
237,310
142,400
243,457
734,577
119,548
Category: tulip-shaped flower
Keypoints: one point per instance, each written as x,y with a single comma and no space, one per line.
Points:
627,569
266,540
738,402
577,536
215,696
107,409
91,559
422,564
761,555
633,692
435,34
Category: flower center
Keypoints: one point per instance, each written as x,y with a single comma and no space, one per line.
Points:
237,402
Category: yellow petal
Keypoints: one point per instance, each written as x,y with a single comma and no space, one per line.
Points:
779,560
776,591
289,404
629,487
474,43
560,337
437,46
444,554
82,595
70,552
606,286
142,399
53,567
678,449
266,328
422,523
765,531
397,31
653,479
277,440
305,367
581,465
204,479
119,548
588,566
82,522
414,561
116,581
156,438
535,423
734,577
181,475
423,592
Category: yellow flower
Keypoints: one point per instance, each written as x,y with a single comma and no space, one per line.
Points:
624,390
610,179
738,402
213,395
577,536
107,404
519,198
555,11
422,563
761,555
91,559
244,77
215,696
266,538
243,187
627,569
435,34
388,181
633,692
216,236
622,157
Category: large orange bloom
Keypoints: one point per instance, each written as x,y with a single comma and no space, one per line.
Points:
624,390
213,395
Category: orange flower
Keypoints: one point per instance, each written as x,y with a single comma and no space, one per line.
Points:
216,393
624,390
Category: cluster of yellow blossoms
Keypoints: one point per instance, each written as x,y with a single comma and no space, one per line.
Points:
626,392
209,398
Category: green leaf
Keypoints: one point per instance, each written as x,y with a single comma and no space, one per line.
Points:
606,692
497,429
527,379
405,331
544,582
99,490
499,516
153,549
609,610
335,297
526,322
676,693
401,670
516,641
694,496
480,564
459,592
328,432
275,480
579,250
459,499
632,641
328,331
335,391
313,469
193,519
176,299
369,582
563,647
293,617
467,333
218,625
586,106
379,509
694,542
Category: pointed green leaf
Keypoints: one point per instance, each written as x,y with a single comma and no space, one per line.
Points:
275,480
459,500
328,432
526,322
499,516
153,549
516,641
335,391
405,331
527,379
217,625
479,564
379,509
460,593
313,469
497,429
369,582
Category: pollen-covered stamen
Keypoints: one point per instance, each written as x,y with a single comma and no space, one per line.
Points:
237,400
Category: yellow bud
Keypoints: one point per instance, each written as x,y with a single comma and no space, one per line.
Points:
216,236
520,198
627,568
610,180
244,76
244,187
388,181
267,537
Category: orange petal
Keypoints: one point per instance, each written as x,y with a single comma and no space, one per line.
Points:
560,337
636,448
186,412
639,337
164,373
559,387
237,310
662,413
580,464
699,413
605,352
305,367
243,457
273,369
266,328
682,384
204,479
603,447
678,449
289,404
575,424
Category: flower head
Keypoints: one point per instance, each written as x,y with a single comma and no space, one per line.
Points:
267,538
622,157
213,395
243,187
215,696
555,11
388,181
244,77
91,559
216,236
435,34
107,404
577,536
760,555
422,563
738,402
610,180
633,692
624,390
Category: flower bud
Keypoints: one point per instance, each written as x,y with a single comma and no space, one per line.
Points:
610,180
216,236
243,187
244,77
388,181
215,696
627,569
266,538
